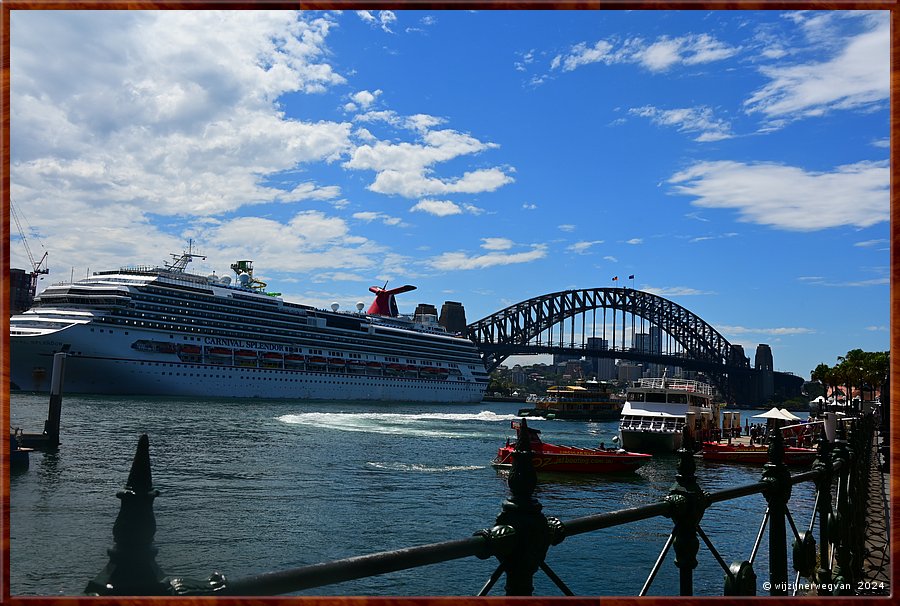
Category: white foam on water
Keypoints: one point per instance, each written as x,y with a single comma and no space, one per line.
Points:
417,467
429,424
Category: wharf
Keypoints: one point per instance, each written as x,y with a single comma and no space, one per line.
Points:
876,574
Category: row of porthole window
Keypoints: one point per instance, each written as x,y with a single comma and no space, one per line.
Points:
178,374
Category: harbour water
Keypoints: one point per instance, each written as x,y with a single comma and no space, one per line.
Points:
249,486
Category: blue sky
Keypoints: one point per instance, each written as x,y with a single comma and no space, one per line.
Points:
736,162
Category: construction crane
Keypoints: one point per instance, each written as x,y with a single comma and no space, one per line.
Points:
37,268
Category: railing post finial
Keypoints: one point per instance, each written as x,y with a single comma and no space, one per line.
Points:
522,512
132,568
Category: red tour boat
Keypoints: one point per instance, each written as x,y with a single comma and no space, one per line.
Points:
552,458
757,455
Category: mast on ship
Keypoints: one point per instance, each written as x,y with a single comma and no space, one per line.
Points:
179,262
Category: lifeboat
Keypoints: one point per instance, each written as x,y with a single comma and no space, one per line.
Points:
277,357
245,354
293,359
189,349
373,365
317,361
336,362
219,352
395,368
548,457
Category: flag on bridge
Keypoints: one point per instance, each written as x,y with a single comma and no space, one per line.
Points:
631,277
616,278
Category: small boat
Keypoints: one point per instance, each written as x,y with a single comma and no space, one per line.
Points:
755,455
657,408
554,458
245,354
219,352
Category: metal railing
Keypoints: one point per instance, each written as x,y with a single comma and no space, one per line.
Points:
521,536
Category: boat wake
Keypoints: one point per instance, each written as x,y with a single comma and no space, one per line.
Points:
428,424
419,468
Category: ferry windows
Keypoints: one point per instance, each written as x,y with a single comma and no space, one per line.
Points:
636,397
656,397
678,398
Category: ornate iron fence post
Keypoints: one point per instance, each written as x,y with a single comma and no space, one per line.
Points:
843,556
688,502
522,512
777,494
132,568
823,464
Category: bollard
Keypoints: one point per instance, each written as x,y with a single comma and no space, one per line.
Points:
687,504
777,494
132,568
522,512
51,425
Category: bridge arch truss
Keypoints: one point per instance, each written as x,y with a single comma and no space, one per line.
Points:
564,321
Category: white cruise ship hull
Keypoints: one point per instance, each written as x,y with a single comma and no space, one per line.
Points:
165,332
106,363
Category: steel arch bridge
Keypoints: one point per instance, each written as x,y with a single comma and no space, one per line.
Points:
550,324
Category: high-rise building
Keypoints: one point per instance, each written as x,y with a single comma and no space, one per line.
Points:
602,368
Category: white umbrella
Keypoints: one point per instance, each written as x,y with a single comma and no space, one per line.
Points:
789,415
774,413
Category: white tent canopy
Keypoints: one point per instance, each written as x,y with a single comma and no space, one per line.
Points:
775,413
789,415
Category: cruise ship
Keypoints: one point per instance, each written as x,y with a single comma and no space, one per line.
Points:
165,331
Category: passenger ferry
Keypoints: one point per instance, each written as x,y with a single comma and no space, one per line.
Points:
165,331
586,401
655,411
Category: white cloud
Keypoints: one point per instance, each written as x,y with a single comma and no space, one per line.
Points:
789,197
383,19
439,208
459,260
364,98
657,56
675,291
177,119
688,120
871,243
528,206
583,247
497,243
309,191
407,168
858,77
611,259
311,240
117,116
634,241
369,216
568,227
